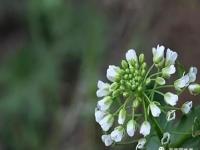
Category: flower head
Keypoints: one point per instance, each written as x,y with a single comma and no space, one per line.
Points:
131,55
171,57
122,116
169,70
155,110
117,134
182,82
132,94
99,115
186,107
103,89
112,72
145,128
158,54
105,103
192,74
107,122
171,98
131,125
107,139
194,89
141,143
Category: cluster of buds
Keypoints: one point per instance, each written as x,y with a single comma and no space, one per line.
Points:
133,86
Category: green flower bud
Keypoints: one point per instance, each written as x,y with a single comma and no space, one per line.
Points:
141,58
125,94
148,81
116,93
144,65
139,88
160,81
114,86
124,64
136,103
194,89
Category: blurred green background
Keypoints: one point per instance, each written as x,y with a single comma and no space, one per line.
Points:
52,53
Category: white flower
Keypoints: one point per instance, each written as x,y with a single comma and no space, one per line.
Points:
192,74
145,128
131,55
107,139
117,134
171,98
99,115
107,122
160,81
105,103
103,89
194,89
122,116
167,71
155,110
182,82
141,143
158,54
171,115
131,127
171,57
112,72
186,107
165,139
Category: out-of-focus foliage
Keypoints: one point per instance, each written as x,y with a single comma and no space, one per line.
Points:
58,32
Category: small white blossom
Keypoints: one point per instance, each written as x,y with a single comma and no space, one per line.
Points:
107,139
107,122
186,107
169,70
182,82
103,89
171,115
112,72
131,127
171,57
122,116
171,98
160,81
141,143
155,110
145,128
158,54
165,139
192,74
99,115
194,89
131,55
117,134
105,103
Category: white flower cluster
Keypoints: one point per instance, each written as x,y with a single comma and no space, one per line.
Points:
131,86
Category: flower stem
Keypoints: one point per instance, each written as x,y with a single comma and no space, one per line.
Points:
145,111
148,72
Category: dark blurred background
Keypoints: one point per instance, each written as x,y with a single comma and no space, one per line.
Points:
52,52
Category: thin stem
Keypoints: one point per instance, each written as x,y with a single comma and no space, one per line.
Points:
165,86
155,74
171,107
146,97
145,111
148,72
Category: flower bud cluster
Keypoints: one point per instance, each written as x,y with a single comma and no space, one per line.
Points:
133,87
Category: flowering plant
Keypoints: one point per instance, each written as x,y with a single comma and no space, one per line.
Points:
140,100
